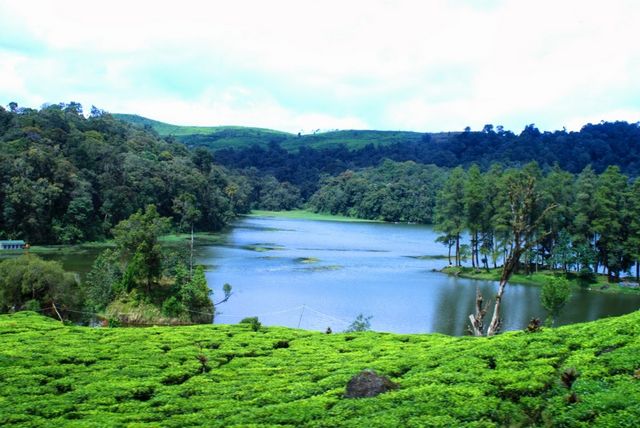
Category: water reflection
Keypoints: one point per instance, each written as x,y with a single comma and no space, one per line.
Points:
317,274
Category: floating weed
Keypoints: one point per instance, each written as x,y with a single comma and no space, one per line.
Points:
306,260
262,247
321,268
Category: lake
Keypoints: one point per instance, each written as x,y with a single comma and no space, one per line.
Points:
319,274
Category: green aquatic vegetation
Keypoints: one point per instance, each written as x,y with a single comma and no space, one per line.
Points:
324,268
235,375
307,260
261,247
429,257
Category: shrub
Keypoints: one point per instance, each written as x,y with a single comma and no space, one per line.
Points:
172,307
361,323
253,323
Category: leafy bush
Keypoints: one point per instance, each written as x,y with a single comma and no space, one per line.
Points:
28,282
253,323
554,295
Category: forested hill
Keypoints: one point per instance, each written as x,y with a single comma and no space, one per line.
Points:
69,178
66,178
598,145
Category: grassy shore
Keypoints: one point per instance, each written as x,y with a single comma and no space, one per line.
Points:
540,278
306,215
230,376
199,238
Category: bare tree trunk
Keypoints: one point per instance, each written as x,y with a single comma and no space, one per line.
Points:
496,321
58,313
477,319
458,250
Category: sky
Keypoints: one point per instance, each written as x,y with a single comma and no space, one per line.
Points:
302,65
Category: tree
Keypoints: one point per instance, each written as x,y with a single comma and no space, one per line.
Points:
449,211
195,296
361,323
30,282
184,207
524,216
554,295
634,226
474,203
103,282
611,221
584,213
137,242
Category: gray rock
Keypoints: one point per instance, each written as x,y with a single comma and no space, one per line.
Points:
368,383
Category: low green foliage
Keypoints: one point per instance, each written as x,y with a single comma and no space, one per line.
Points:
595,282
28,282
554,295
229,375
253,322
140,282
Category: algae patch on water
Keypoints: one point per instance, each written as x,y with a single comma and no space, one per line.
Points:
429,257
262,247
324,268
307,260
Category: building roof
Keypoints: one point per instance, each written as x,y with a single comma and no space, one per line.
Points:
11,241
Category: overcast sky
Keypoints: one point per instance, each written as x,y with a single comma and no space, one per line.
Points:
305,65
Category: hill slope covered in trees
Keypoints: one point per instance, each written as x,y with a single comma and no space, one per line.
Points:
229,375
599,145
66,178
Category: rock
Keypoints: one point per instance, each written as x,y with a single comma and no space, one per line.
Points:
368,383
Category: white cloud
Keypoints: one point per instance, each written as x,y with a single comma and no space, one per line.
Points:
237,106
386,64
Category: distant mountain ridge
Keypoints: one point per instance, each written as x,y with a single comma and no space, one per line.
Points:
599,145
219,137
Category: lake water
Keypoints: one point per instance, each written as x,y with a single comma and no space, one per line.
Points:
319,274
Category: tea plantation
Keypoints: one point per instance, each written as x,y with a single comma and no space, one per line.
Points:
228,375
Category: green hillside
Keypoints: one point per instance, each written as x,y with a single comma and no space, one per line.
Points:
228,375
166,129
237,136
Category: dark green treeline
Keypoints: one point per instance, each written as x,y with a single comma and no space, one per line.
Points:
67,178
594,223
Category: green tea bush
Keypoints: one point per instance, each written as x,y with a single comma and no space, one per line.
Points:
226,375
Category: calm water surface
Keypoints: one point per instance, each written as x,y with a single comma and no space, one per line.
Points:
319,274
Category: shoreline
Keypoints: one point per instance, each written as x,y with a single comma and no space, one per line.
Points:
308,215
539,278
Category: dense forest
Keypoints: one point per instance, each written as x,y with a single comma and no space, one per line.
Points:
591,223
67,178
599,145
